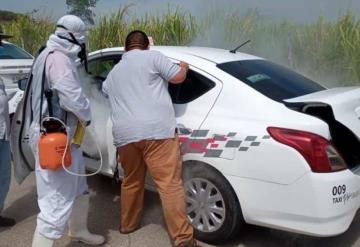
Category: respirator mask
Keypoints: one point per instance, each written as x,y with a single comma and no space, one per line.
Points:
83,52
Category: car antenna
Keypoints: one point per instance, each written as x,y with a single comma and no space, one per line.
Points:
237,48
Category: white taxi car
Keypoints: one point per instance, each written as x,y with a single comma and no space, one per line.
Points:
15,64
261,144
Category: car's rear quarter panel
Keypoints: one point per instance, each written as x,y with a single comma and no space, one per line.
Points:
273,182
245,115
305,206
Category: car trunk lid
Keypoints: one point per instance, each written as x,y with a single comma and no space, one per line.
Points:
344,102
340,108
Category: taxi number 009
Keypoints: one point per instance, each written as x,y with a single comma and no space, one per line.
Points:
339,190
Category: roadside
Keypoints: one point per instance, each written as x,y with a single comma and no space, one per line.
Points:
104,219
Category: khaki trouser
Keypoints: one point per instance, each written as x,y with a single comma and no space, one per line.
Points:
162,159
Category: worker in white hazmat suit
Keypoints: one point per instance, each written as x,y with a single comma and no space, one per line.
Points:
62,198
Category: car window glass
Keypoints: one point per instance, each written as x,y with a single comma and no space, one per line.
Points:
9,51
270,79
100,68
192,88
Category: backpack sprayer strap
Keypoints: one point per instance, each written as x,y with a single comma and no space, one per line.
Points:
47,94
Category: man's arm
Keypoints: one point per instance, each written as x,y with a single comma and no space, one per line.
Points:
181,75
169,71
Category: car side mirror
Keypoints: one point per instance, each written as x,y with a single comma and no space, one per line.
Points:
22,84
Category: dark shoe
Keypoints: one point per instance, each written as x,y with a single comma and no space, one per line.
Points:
191,243
6,222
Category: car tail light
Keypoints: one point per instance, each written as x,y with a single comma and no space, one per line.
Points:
317,151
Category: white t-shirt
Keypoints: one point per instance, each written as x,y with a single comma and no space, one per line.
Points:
137,88
4,113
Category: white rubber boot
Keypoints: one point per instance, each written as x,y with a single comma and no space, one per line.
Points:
78,230
41,241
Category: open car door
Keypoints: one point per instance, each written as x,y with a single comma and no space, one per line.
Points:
23,158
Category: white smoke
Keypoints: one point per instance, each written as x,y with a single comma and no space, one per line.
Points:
100,110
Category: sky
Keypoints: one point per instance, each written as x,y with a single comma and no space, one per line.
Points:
293,10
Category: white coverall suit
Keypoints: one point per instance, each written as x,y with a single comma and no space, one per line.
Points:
59,193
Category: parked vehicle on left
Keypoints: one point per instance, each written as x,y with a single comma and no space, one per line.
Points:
15,64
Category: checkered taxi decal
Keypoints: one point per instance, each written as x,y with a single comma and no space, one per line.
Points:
199,142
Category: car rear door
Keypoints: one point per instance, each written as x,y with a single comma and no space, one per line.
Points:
193,100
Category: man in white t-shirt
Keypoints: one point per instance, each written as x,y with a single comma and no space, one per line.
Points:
144,127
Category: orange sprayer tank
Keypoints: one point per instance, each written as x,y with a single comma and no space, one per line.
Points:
51,150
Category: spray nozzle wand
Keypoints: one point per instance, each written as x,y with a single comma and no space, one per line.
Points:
79,133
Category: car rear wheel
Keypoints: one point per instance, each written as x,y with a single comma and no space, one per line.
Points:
212,206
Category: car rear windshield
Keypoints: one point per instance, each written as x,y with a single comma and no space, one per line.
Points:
9,51
270,79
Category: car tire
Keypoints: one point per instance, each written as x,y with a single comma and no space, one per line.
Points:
212,205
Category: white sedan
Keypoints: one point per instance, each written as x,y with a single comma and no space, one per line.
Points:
261,144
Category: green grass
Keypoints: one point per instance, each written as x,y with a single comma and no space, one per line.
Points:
323,50
175,27
29,33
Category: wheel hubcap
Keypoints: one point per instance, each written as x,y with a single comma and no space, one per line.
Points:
205,205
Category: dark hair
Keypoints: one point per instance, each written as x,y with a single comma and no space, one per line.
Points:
136,39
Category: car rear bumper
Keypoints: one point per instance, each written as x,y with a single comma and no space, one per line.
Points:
316,204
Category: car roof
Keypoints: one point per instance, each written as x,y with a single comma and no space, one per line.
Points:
9,43
213,55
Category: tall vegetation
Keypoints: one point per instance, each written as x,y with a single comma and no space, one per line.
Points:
8,15
325,51
329,51
174,27
28,32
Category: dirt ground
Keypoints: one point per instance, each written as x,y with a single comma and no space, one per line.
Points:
104,219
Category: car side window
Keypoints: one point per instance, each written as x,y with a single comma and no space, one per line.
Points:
192,88
10,51
272,80
100,68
